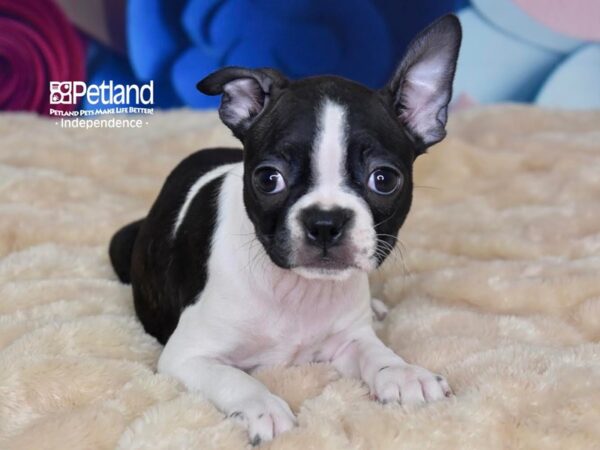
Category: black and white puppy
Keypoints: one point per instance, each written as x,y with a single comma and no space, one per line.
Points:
260,257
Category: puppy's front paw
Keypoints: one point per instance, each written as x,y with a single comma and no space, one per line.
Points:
263,416
409,384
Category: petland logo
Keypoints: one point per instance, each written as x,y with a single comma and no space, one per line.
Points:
115,98
70,92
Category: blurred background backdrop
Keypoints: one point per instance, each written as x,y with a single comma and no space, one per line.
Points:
545,52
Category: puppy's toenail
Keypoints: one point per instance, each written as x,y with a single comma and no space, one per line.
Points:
383,368
260,416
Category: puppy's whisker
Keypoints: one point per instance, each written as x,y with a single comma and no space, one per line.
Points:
435,188
393,236
394,251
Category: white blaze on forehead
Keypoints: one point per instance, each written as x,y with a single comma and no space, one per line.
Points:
329,152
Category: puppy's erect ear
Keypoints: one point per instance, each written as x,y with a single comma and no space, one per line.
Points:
421,88
246,93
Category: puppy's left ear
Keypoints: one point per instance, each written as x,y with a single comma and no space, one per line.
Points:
245,94
421,88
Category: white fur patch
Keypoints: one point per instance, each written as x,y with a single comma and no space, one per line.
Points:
199,184
329,155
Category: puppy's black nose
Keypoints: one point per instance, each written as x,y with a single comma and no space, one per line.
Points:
325,228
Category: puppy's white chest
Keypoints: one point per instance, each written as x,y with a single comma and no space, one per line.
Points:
303,321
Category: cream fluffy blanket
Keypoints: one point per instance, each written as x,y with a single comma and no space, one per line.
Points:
496,285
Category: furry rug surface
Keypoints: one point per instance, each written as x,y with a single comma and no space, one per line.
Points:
496,285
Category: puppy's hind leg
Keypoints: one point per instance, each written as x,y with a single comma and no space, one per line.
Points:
235,393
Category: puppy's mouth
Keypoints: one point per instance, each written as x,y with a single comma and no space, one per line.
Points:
325,264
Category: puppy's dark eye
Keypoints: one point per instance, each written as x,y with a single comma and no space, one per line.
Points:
269,180
385,181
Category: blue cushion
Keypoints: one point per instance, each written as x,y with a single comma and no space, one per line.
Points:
575,84
177,42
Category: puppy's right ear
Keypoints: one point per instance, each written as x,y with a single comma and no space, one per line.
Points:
246,93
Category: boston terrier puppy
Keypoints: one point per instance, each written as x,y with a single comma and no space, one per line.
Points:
259,257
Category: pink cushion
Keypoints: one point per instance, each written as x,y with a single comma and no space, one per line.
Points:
37,45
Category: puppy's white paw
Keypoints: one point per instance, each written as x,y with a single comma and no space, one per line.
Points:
409,384
264,417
